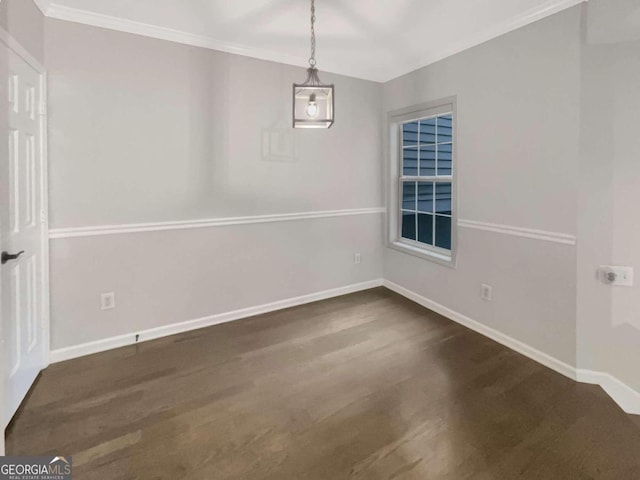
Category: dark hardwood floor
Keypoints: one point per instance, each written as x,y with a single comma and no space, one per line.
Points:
367,386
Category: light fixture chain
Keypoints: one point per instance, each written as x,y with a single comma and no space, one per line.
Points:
312,60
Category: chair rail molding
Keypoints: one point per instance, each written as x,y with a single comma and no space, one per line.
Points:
554,237
56,233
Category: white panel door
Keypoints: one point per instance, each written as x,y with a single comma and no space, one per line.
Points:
22,227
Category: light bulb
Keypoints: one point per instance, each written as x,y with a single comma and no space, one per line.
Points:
312,106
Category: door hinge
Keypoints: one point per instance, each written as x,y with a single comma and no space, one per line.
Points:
42,108
43,216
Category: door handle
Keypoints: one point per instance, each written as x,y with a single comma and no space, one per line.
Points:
6,256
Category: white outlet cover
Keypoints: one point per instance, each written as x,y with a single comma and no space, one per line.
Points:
486,292
108,301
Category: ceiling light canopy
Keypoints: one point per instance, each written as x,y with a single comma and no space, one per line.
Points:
313,105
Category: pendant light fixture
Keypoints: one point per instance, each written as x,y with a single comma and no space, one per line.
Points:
312,100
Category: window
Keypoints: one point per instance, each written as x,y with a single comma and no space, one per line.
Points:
424,183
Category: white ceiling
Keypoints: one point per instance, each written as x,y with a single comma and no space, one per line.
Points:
371,39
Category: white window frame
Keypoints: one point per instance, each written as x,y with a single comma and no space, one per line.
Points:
395,120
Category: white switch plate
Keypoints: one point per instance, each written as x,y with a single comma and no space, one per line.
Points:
616,276
357,259
486,292
108,301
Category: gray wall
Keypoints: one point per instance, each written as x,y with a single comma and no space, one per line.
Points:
547,140
144,130
177,132
609,231
518,135
25,22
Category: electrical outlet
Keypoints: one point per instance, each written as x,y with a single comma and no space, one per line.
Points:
486,292
108,301
616,276
357,259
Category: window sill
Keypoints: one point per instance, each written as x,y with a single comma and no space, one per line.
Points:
436,257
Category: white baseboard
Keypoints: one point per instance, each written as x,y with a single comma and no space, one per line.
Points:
89,348
627,398
520,347
623,394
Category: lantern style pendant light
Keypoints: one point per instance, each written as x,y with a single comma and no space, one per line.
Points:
312,100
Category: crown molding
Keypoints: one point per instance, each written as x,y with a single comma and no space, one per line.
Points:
551,7
61,12
86,17
43,5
